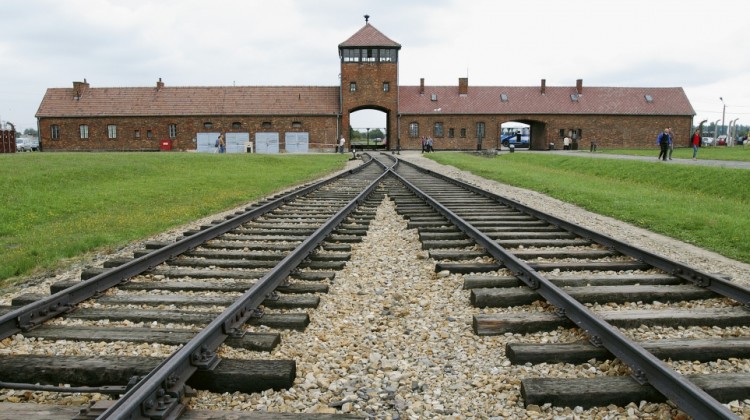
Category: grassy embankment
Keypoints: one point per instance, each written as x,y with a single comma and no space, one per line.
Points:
57,206
705,206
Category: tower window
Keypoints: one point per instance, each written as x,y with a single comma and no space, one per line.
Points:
386,87
352,86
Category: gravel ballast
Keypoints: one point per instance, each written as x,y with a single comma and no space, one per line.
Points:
393,339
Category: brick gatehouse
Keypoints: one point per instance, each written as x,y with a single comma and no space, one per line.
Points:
298,119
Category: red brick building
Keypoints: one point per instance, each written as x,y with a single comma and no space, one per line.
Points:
312,118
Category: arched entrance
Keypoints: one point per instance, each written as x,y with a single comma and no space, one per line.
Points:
369,128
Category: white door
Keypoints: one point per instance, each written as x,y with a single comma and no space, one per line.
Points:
266,142
207,142
296,142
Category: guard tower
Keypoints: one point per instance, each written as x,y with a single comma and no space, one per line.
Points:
369,77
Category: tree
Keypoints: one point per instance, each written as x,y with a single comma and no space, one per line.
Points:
30,132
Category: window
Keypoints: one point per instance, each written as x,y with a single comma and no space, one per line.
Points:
414,129
208,125
352,86
137,134
503,97
562,132
149,134
480,129
349,55
386,87
296,124
433,97
54,132
84,129
438,130
111,131
266,124
387,55
451,132
368,54
463,133
172,128
236,125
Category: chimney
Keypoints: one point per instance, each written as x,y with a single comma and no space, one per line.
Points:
421,86
463,85
159,84
544,86
579,86
79,87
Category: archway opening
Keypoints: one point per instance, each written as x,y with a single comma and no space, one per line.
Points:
516,134
368,129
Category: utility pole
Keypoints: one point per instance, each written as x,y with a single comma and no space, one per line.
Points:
723,112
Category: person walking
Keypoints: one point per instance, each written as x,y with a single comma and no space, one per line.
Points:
671,143
342,141
222,143
566,143
696,142
663,141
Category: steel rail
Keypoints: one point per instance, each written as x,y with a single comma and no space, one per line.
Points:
34,314
158,394
645,366
699,278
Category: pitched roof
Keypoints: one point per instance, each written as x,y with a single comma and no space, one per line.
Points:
555,100
182,101
368,36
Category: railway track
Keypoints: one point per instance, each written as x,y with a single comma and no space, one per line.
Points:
509,256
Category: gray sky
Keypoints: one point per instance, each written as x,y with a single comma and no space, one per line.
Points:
700,45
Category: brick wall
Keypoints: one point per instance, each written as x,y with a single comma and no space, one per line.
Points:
322,131
607,131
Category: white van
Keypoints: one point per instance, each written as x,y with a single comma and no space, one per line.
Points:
25,144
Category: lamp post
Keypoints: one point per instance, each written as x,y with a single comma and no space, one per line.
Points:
716,131
368,137
723,112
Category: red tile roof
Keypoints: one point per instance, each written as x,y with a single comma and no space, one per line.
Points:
368,36
556,100
181,101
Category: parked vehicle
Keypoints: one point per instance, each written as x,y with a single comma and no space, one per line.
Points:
721,140
518,136
25,144
707,141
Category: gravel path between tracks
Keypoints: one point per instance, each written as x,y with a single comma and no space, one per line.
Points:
393,339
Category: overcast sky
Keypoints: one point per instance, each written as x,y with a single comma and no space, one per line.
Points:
700,45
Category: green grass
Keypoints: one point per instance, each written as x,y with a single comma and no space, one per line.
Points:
739,153
61,205
705,206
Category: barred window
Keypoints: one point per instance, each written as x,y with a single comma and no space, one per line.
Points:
84,129
111,131
438,130
54,132
172,128
414,129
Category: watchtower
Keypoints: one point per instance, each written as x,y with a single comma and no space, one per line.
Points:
369,77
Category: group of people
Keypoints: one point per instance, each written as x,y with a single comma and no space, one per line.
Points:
427,145
666,144
664,140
